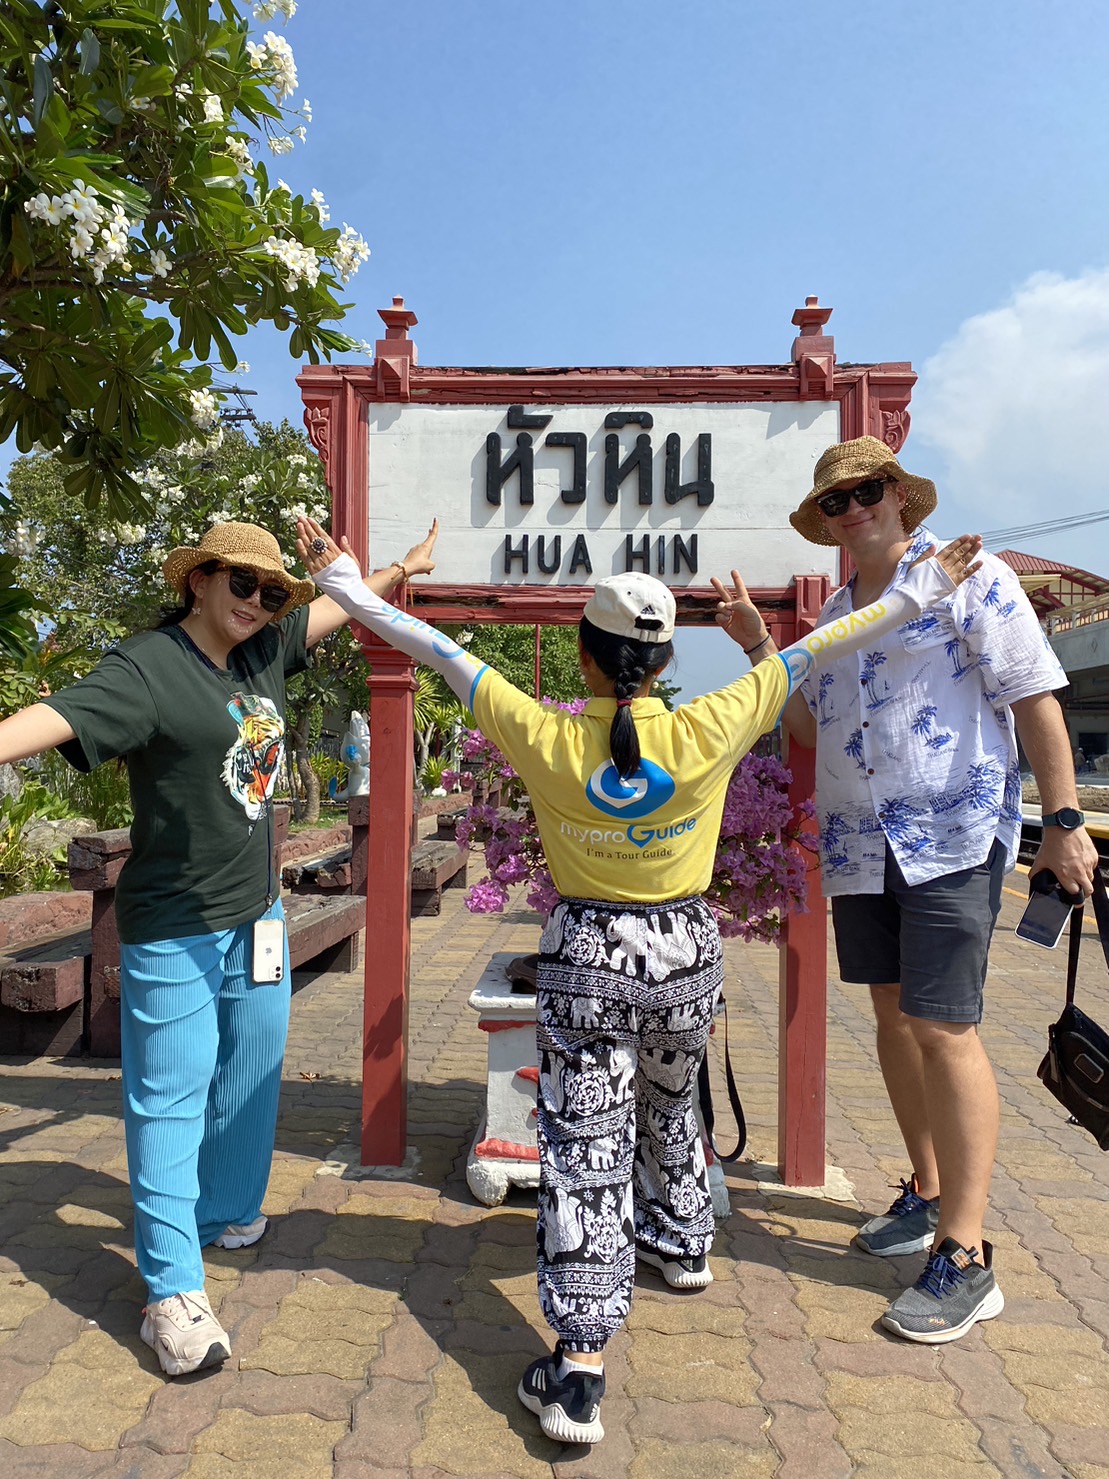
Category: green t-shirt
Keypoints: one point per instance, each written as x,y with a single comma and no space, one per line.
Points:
203,748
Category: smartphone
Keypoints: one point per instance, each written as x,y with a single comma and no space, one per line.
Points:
1048,912
268,956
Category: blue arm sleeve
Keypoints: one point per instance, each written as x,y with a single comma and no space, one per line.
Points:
342,581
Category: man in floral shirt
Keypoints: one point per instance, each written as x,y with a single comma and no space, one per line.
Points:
918,794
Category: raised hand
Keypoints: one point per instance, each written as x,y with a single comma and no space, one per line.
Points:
317,548
737,613
959,558
418,560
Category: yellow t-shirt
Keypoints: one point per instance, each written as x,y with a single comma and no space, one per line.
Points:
650,837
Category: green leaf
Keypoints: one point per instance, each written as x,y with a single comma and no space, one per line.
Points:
43,88
90,53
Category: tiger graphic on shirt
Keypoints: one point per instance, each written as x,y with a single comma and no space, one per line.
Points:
251,764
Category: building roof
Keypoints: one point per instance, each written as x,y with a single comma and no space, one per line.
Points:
1052,586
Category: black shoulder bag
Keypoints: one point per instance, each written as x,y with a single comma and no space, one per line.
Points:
1076,1066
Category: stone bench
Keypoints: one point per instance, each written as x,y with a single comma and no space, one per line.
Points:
436,865
42,994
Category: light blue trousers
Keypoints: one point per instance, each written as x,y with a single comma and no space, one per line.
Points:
202,1047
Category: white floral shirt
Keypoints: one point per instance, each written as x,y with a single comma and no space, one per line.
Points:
915,740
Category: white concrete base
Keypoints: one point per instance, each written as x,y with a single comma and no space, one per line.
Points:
836,1186
345,1162
489,1178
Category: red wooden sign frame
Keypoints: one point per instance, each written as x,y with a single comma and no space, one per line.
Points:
872,399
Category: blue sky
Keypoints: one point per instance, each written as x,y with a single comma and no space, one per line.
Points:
650,183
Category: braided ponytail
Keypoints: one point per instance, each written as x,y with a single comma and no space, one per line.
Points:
628,663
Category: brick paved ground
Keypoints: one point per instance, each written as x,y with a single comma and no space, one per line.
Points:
381,1327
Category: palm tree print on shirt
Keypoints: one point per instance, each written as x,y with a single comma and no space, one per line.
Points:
825,718
834,829
853,749
979,788
922,728
871,663
899,822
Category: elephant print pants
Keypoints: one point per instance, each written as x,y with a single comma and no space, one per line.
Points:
624,1003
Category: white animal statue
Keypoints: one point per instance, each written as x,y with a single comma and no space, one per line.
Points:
355,754
1101,764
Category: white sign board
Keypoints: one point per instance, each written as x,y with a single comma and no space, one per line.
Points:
546,495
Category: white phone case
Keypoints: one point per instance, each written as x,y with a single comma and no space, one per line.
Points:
268,955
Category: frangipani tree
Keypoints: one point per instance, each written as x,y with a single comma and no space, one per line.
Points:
139,234
95,580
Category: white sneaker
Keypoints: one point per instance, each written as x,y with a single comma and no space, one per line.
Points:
185,1334
242,1234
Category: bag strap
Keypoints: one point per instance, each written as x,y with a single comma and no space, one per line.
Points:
1101,915
704,1096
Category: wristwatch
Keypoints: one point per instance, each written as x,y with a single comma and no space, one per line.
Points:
1066,817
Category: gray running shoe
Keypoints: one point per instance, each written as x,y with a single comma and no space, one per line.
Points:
950,1296
907,1227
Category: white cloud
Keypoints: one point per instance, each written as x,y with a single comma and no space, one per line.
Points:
1014,405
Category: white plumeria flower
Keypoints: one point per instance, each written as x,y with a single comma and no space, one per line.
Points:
322,209
280,144
159,263
349,251
300,261
306,110
242,368
213,108
205,409
297,460
237,149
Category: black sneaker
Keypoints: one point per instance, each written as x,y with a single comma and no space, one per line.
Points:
908,1226
568,1407
951,1295
679,1273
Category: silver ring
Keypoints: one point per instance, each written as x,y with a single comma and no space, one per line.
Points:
318,546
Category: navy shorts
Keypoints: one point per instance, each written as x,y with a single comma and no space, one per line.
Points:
931,937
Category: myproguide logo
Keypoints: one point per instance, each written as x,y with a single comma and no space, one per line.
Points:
630,796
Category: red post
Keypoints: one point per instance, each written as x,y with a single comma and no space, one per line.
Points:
385,993
803,974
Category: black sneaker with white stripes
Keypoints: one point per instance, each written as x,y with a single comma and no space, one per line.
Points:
568,1407
679,1273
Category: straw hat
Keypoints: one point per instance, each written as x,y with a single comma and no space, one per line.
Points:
865,457
238,544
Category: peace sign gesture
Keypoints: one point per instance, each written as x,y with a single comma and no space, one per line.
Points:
738,614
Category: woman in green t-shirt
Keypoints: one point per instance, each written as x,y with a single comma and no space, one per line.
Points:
197,709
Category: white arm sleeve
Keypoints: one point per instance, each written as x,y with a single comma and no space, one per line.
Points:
342,581
925,585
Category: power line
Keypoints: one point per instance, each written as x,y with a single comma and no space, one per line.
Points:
1045,527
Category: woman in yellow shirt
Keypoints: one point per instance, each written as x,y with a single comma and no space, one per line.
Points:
628,799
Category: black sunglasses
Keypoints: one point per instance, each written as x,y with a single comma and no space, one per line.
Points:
866,495
243,583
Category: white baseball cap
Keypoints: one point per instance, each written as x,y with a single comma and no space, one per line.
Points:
635,606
